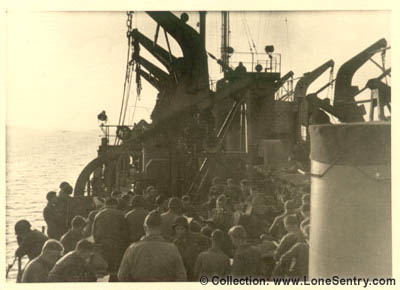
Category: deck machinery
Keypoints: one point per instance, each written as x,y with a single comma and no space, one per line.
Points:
196,132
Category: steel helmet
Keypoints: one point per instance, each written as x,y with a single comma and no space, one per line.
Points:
22,226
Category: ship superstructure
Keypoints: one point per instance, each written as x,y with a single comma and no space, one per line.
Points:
255,117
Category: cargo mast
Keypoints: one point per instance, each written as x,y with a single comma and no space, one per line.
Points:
225,33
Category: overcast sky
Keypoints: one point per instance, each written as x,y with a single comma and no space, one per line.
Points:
64,68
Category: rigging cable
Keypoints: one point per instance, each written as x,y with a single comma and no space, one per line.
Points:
126,98
250,38
268,22
128,94
134,110
129,23
135,54
216,28
288,43
247,35
259,26
128,76
127,72
249,30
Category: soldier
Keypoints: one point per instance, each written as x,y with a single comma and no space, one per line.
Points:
150,197
74,235
305,212
168,218
233,191
240,68
245,188
188,208
277,229
194,226
298,253
222,216
247,258
116,194
30,241
124,204
206,231
87,231
161,203
135,218
189,244
38,269
267,248
63,204
152,259
213,262
99,202
53,218
74,267
110,230
293,236
217,188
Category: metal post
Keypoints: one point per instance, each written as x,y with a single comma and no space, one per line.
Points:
241,127
225,38
249,135
203,27
252,61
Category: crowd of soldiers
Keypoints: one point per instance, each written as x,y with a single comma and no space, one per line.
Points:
242,229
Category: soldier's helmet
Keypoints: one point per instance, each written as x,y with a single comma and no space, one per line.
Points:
22,226
237,232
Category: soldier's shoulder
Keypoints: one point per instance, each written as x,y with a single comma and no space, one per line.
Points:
32,265
203,255
35,234
130,213
172,248
101,212
150,243
67,258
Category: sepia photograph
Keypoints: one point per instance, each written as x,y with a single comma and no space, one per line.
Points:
212,147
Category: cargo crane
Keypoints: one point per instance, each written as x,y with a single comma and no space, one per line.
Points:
300,93
345,92
344,106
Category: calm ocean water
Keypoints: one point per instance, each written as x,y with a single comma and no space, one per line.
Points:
37,162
